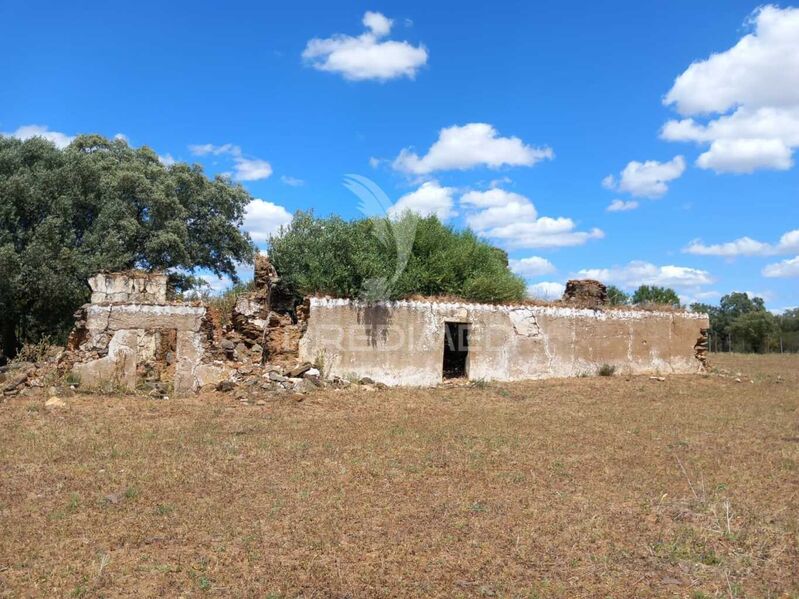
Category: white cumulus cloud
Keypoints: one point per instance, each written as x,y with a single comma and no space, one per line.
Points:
622,206
746,246
784,269
244,168
251,169
639,272
429,198
262,219
61,140
367,56
511,219
467,146
743,101
648,179
746,155
533,266
546,290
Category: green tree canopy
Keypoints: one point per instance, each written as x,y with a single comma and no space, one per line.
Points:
755,328
617,297
789,320
98,205
732,307
337,257
652,294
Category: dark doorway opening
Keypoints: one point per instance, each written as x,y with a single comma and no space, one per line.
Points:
456,349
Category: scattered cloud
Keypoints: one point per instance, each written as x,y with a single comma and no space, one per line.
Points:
765,294
745,156
244,168
786,268
211,149
262,219
468,146
61,140
700,297
703,296
166,159
429,198
547,290
248,169
639,272
512,220
648,179
292,181
743,101
217,284
782,310
367,56
534,266
622,206
496,208
746,246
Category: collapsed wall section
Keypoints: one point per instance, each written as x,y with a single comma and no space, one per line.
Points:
131,335
402,343
259,321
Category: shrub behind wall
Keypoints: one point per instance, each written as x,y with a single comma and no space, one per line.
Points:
337,257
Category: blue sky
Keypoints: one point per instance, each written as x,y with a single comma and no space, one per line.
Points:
527,121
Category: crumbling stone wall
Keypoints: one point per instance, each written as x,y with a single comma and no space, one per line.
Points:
271,328
402,342
131,336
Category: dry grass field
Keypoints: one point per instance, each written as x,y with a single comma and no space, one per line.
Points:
590,487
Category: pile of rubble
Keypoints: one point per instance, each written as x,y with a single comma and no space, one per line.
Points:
586,293
257,385
25,378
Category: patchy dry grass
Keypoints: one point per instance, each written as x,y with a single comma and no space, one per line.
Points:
590,487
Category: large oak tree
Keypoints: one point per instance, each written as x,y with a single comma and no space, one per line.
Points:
99,204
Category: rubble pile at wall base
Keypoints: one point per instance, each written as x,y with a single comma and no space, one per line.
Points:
26,377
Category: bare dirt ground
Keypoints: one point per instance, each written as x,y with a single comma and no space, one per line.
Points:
590,487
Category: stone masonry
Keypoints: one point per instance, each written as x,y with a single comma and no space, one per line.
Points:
129,335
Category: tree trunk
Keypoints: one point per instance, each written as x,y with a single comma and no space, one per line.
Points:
8,343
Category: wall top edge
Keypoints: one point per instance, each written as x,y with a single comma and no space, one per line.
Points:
144,307
563,311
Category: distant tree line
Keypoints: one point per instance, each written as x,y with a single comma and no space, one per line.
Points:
645,295
738,324
742,324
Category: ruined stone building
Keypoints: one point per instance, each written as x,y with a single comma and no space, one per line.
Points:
131,336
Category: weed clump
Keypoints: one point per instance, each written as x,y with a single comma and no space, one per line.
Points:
607,370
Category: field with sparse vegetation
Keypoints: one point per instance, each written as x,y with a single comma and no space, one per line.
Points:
607,486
